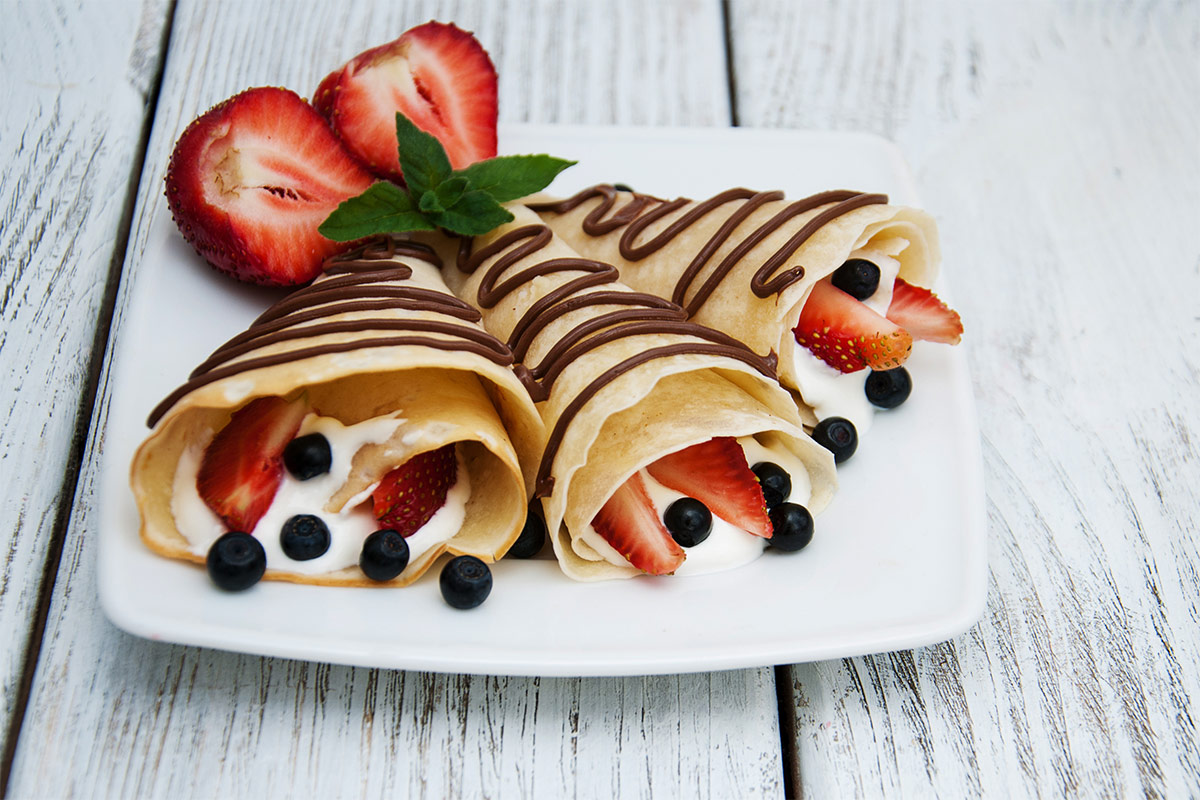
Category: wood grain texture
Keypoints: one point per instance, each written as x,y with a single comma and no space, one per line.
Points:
75,82
112,715
1057,145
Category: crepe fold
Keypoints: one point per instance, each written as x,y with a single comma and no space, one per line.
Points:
378,335
621,378
743,262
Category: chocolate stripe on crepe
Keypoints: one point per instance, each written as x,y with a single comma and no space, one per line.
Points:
352,286
644,314
642,211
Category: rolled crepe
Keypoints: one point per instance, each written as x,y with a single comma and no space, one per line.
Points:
393,365
621,379
745,262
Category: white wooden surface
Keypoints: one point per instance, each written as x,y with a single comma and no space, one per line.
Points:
1058,145
69,136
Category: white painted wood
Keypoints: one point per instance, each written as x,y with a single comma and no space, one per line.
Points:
1059,145
75,80
112,715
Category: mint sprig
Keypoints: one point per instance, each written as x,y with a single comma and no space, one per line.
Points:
464,201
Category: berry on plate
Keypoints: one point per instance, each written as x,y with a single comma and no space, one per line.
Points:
888,388
793,527
837,435
630,524
384,555
923,315
716,473
532,538
847,334
242,466
465,582
413,492
250,180
440,77
236,561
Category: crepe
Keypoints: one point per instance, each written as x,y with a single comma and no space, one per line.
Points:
745,262
380,343
620,377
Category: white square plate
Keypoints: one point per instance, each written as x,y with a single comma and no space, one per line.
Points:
898,560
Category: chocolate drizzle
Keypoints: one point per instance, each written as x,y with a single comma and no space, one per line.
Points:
354,282
642,211
637,314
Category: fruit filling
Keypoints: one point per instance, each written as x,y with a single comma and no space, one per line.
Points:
281,473
862,321
699,510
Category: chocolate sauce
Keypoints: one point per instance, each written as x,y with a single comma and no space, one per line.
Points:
353,282
637,314
642,211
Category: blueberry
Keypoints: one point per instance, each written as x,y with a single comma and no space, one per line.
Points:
776,483
466,581
622,187
384,555
792,527
689,521
858,278
236,561
888,388
838,436
308,456
532,537
304,537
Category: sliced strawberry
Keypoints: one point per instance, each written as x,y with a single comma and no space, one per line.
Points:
716,473
922,314
630,524
438,75
413,492
250,181
243,464
847,335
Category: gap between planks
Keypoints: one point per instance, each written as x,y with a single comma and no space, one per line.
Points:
84,412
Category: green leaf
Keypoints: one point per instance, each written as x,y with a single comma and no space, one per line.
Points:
423,160
474,214
509,177
382,208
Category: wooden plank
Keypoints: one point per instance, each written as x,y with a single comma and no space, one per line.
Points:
1057,144
114,715
75,89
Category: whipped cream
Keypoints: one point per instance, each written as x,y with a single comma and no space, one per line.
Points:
727,546
829,391
348,527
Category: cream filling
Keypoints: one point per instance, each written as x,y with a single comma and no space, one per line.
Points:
830,392
348,528
727,546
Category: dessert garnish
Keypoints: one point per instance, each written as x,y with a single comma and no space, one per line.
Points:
464,201
465,582
437,75
250,180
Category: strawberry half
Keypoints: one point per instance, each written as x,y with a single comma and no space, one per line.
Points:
922,314
630,524
413,492
243,464
847,335
439,76
716,473
250,181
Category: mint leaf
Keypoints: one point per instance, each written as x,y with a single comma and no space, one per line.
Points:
474,214
443,196
382,208
509,177
423,160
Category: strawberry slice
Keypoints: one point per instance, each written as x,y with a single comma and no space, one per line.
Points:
630,524
439,76
243,464
716,473
249,182
413,492
922,314
847,334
